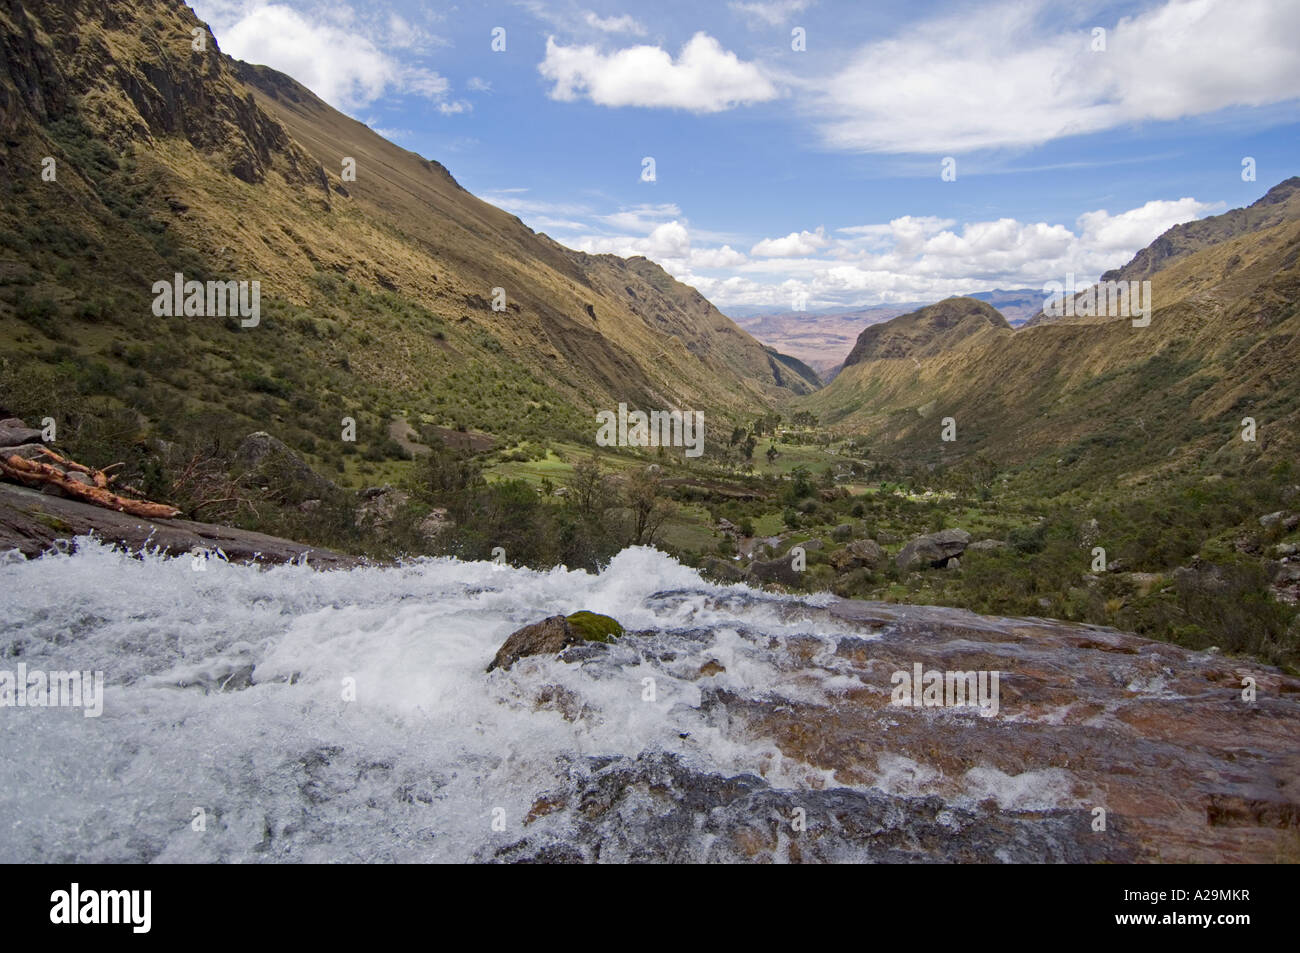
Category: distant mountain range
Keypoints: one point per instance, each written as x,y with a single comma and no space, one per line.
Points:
822,338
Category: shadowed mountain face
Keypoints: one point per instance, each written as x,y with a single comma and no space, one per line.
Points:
1222,345
377,289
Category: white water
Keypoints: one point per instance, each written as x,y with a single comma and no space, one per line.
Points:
411,770
431,751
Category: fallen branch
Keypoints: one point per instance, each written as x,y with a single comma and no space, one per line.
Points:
33,473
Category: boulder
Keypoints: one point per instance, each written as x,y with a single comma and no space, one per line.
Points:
933,549
858,554
269,462
436,523
14,433
380,505
554,634
987,545
721,569
1281,518
774,570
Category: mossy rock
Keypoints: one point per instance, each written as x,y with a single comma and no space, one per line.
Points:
593,627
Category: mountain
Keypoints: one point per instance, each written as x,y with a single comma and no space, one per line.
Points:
927,332
1280,204
376,291
822,338
1100,394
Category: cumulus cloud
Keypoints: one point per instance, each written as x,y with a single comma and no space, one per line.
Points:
1135,228
910,258
1008,75
339,63
915,258
794,245
704,78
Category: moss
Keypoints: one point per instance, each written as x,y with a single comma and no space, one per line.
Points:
53,522
594,627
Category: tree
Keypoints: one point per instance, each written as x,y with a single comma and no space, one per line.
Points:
589,490
644,498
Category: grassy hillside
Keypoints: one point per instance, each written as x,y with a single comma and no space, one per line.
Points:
376,294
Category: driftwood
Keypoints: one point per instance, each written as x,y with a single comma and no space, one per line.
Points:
35,473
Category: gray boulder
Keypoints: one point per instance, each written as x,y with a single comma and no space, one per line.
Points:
933,549
721,569
15,433
380,505
859,553
774,570
269,462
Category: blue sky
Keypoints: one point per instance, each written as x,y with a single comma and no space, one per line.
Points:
781,171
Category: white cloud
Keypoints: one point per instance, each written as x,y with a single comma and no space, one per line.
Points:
911,258
704,77
623,24
794,245
996,77
772,12
919,258
639,218
1136,227
724,257
477,84
339,63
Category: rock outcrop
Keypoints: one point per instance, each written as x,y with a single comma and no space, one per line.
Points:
933,549
270,463
861,553
33,523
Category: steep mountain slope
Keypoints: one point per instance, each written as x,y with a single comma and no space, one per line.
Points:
1222,345
1280,204
376,292
927,332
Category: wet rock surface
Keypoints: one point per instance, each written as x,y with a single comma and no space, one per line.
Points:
656,809
1157,737
33,523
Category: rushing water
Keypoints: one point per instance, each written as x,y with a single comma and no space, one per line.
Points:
346,715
